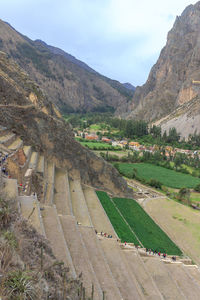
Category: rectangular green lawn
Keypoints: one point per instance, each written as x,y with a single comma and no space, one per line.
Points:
148,232
100,145
120,226
167,177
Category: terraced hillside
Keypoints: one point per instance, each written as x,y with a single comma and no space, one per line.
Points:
69,214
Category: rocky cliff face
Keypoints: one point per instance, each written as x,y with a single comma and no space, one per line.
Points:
175,79
25,111
68,82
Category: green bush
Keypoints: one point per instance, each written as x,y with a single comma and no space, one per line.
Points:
197,187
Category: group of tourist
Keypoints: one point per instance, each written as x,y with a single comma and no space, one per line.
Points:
104,234
155,252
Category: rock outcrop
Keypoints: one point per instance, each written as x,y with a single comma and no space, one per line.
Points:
25,111
175,79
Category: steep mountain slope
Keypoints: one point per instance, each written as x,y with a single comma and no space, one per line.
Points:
25,111
69,83
175,78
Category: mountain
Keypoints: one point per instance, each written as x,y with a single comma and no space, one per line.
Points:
129,86
67,82
174,80
28,113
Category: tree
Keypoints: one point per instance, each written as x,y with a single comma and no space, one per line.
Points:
184,195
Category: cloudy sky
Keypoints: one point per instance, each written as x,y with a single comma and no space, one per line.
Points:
121,39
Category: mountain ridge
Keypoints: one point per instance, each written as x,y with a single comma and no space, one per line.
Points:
68,83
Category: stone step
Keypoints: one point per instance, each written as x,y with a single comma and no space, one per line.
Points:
79,205
162,278
124,277
10,187
61,193
50,174
40,165
7,139
142,276
33,161
189,287
54,234
100,264
98,216
16,144
80,257
30,209
194,272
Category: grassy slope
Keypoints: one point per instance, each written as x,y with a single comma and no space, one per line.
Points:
121,228
148,232
165,176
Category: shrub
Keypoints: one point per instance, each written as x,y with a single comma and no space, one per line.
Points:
197,187
20,285
155,183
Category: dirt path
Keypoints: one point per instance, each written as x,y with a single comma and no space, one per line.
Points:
61,194
79,205
180,222
80,256
97,213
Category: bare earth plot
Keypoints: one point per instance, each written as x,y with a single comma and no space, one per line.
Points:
100,264
142,275
190,288
61,195
180,222
79,254
163,280
120,270
97,213
79,206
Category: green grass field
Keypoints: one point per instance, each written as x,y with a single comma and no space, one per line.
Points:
167,177
148,232
121,228
99,145
145,229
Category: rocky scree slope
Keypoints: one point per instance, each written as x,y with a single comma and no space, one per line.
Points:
68,82
25,111
175,79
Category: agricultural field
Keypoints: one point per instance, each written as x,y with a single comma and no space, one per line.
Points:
169,178
146,230
121,228
180,222
99,146
195,197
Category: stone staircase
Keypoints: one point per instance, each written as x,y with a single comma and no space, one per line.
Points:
68,217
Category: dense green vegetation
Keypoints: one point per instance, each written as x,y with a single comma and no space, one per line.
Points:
145,229
167,177
148,232
121,228
140,130
99,146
